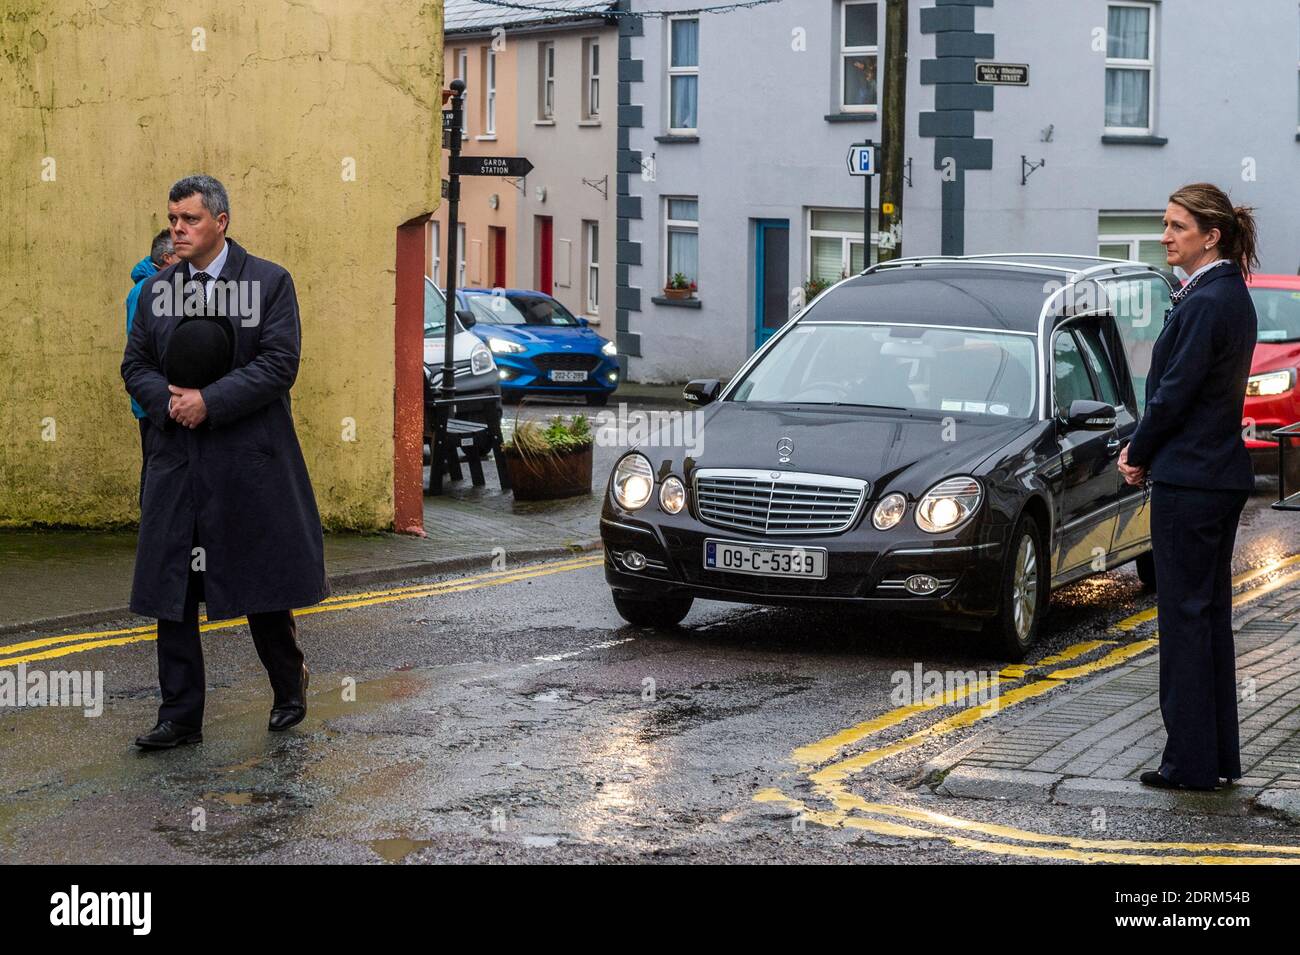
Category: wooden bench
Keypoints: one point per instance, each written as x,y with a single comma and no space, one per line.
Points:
450,437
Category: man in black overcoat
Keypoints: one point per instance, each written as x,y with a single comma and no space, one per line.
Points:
228,515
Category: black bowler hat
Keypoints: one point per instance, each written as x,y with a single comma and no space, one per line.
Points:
199,352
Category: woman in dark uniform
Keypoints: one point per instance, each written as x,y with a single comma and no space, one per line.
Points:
1189,445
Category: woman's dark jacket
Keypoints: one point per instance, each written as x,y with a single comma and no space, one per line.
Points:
1191,428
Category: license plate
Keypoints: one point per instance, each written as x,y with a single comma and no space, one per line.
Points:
558,375
732,558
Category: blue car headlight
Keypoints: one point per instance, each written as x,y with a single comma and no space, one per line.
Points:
501,346
609,350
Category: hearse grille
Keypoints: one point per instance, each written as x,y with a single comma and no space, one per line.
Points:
777,502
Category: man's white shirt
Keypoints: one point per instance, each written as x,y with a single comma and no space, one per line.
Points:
214,269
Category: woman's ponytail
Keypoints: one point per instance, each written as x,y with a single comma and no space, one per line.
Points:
1242,250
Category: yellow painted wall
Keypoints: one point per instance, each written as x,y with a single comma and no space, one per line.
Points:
101,109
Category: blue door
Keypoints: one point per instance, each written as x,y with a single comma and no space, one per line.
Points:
771,277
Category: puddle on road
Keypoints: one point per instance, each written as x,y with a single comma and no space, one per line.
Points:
540,842
61,761
550,696
395,850
245,798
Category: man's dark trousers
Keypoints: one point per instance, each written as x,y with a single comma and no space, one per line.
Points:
180,657
1192,534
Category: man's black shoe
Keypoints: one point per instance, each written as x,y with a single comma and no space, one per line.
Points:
294,711
1153,778
168,734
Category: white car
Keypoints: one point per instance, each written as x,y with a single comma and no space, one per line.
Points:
476,370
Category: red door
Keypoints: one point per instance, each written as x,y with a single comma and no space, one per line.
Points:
498,257
544,250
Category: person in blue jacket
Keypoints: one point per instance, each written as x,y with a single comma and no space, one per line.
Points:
161,254
1189,447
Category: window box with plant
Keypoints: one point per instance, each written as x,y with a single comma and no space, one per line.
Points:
551,461
814,287
679,286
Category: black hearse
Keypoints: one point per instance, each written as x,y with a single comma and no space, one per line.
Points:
936,436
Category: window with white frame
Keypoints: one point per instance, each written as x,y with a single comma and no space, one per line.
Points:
859,49
591,87
435,251
835,248
545,81
461,242
1130,67
683,74
1132,235
462,74
490,92
682,237
591,243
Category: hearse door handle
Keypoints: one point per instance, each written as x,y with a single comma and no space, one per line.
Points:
1112,446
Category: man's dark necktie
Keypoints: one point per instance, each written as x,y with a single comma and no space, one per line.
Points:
203,278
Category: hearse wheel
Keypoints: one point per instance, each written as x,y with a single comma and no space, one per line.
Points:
1024,592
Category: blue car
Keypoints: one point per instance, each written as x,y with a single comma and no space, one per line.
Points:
540,347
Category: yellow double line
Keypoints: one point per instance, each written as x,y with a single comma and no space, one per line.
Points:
830,781
1025,843
46,648
813,753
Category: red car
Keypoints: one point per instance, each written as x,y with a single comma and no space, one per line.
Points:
1272,398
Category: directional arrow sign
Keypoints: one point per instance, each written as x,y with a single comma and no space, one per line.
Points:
514,166
862,160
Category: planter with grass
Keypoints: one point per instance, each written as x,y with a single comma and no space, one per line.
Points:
550,462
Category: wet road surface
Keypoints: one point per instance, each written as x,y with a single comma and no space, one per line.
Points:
512,716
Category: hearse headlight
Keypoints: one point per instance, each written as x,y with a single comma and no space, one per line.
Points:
948,504
633,481
672,496
889,511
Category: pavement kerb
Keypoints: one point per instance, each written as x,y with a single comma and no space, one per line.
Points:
342,581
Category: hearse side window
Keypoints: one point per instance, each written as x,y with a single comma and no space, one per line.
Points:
1069,373
1140,302
1100,364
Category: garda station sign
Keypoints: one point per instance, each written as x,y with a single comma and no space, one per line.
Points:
1002,74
